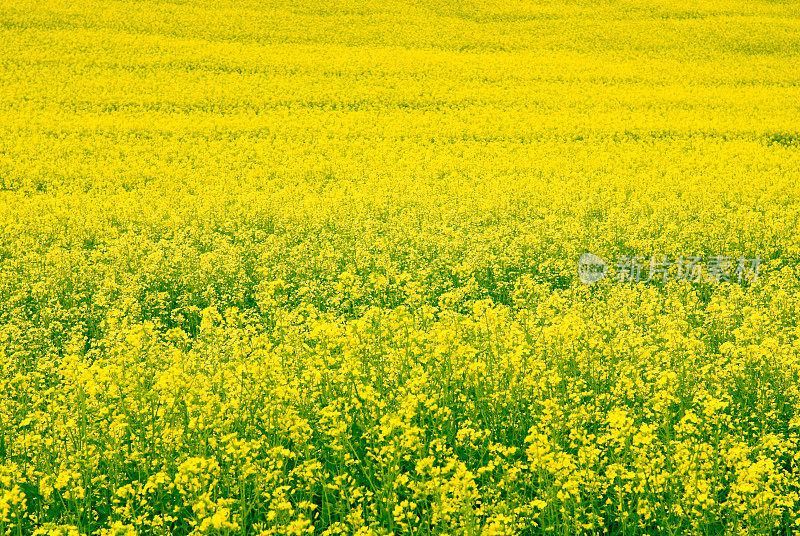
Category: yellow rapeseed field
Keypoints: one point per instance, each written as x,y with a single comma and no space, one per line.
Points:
290,267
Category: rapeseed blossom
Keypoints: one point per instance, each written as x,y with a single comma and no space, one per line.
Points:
295,268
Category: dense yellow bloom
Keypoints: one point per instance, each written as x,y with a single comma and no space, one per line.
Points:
289,268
